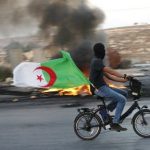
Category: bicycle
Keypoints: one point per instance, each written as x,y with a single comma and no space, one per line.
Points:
88,123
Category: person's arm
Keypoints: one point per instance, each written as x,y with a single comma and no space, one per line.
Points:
114,75
114,78
113,72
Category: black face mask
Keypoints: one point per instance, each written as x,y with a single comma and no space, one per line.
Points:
100,54
99,50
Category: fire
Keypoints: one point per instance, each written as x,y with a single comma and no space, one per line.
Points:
117,86
114,84
81,90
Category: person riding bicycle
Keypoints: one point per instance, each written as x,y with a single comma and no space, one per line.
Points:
97,73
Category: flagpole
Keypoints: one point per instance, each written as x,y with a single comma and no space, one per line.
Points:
94,86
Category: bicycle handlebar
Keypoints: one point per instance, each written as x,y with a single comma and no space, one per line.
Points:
135,86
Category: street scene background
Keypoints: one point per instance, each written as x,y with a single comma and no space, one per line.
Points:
35,31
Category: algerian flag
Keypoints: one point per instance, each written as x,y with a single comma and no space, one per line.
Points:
56,73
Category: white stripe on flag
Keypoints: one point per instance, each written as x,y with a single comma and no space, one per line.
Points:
25,76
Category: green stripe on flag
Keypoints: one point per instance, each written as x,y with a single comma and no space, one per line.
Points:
67,73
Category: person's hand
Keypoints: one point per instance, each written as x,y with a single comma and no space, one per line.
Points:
128,77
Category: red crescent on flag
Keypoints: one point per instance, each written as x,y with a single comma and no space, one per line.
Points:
51,74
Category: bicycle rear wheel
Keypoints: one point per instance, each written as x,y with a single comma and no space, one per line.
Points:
86,126
141,123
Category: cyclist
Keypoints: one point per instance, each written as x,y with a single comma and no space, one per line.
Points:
97,73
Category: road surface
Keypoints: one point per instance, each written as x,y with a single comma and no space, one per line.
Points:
50,127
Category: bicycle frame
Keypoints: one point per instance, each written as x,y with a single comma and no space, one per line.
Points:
136,95
134,106
104,120
94,111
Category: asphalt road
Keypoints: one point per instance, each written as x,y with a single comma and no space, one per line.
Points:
50,127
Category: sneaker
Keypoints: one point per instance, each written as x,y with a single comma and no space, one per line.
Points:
117,127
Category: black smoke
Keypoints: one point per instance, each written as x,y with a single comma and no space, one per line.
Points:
72,22
70,25
14,18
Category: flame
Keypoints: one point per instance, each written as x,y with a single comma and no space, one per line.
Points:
117,86
81,90
112,84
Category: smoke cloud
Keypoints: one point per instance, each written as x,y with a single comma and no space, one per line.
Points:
14,17
68,24
72,24
73,21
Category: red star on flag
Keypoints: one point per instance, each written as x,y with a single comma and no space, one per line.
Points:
39,77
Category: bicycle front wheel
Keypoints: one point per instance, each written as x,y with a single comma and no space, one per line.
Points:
86,126
141,123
